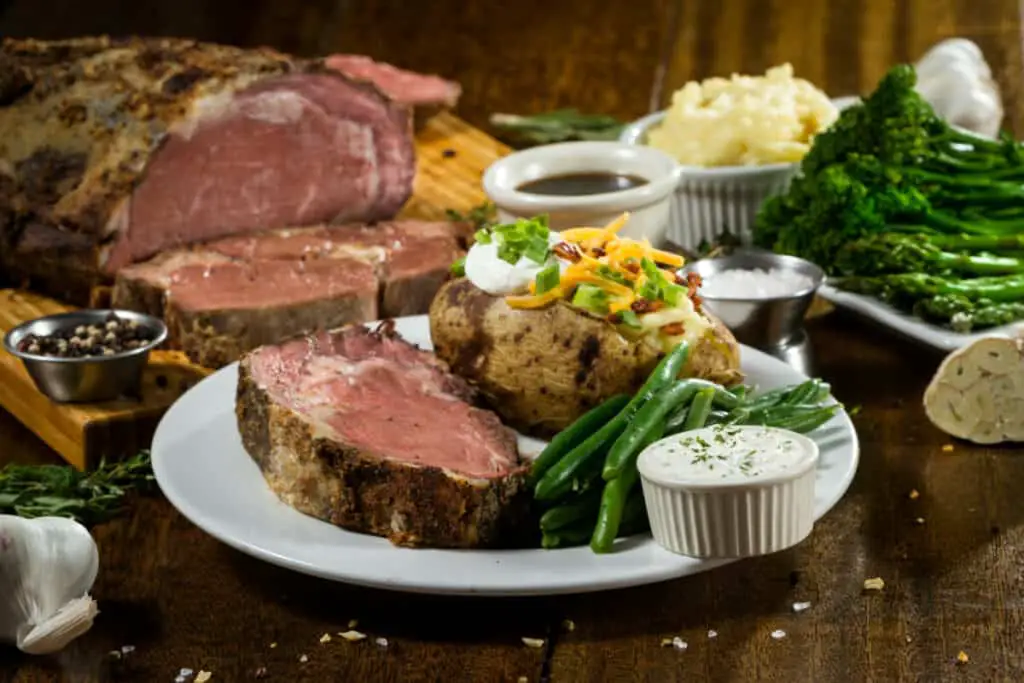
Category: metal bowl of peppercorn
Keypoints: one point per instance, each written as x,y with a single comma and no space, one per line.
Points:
87,356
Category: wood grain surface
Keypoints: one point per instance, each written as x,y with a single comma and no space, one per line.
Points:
951,558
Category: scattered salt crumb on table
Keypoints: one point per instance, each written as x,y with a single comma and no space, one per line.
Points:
382,642
778,634
947,448
874,584
755,283
569,625
801,606
962,657
677,643
913,495
533,642
325,638
712,633
203,676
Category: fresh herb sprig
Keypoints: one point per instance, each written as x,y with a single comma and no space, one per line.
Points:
481,216
560,125
62,491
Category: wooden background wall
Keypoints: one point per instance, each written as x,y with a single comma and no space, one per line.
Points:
530,55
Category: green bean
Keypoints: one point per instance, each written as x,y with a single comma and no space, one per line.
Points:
675,421
823,393
579,508
625,449
634,513
569,536
740,391
808,422
717,417
768,399
558,480
613,502
670,400
574,434
699,410
802,392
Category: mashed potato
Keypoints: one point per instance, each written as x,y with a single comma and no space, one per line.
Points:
744,120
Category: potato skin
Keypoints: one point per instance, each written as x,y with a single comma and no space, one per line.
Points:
541,369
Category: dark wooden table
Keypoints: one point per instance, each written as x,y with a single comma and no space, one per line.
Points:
951,556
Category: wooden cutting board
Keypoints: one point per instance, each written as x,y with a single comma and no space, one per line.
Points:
452,156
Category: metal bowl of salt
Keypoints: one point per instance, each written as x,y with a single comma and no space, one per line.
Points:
761,296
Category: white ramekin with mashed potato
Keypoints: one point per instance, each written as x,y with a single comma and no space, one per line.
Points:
740,140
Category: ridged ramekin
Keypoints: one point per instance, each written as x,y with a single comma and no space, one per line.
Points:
735,517
711,201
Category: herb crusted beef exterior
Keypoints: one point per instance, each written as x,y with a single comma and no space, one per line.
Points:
363,430
112,151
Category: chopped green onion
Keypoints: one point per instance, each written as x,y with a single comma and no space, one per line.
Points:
458,269
673,294
630,319
591,298
649,290
548,279
537,250
609,274
483,236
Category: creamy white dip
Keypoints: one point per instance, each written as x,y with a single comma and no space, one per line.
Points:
727,455
498,277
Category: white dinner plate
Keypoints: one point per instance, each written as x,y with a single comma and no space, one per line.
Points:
909,326
205,473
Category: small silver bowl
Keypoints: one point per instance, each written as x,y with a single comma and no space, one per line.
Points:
88,379
767,323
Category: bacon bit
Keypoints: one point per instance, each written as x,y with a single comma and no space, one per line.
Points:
673,329
614,318
693,283
568,252
631,266
679,279
642,305
598,252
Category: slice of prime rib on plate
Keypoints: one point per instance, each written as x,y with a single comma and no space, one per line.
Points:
112,151
361,429
226,297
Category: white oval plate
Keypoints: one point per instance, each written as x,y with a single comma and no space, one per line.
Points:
205,473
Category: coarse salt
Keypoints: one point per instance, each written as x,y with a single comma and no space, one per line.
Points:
755,283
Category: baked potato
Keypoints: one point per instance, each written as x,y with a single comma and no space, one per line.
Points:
542,368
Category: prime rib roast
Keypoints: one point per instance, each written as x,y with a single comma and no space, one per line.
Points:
229,296
114,151
361,429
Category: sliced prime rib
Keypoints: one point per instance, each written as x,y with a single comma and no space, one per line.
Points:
408,87
226,297
363,430
112,151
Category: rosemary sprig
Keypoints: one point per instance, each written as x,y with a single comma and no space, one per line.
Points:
556,126
63,491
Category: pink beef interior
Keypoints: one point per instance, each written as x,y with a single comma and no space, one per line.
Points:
298,150
403,86
386,398
265,284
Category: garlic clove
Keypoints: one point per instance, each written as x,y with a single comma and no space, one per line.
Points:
953,50
955,78
47,568
70,621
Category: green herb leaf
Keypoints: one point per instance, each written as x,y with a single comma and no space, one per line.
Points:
62,491
481,216
556,126
482,236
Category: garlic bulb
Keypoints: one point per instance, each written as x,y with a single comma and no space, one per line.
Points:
47,568
957,81
977,393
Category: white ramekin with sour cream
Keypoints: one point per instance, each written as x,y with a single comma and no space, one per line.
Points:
730,491
648,204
